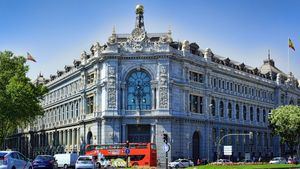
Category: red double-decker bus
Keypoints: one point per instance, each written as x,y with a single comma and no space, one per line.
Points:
141,154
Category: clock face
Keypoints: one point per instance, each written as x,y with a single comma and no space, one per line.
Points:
138,34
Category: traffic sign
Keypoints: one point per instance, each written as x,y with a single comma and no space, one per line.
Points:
127,151
166,147
228,150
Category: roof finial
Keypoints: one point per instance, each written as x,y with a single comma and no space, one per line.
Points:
114,30
139,23
269,54
169,30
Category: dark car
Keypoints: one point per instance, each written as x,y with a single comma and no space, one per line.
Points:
45,162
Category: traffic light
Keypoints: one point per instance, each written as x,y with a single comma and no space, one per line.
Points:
165,138
127,144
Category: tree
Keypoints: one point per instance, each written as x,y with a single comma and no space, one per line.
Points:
19,97
285,122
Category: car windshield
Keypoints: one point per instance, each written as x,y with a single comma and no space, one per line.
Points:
43,158
84,159
177,160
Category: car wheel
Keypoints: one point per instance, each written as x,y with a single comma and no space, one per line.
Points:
65,166
98,165
13,167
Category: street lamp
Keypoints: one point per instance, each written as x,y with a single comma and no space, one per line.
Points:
209,135
250,134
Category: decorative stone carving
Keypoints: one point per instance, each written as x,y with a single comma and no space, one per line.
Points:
163,99
163,87
185,45
83,57
112,39
278,78
111,87
96,48
208,53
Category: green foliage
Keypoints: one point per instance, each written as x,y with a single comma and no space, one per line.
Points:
285,122
19,97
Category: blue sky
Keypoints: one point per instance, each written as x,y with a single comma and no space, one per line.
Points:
55,32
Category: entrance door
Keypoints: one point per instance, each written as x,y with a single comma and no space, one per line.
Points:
139,133
196,146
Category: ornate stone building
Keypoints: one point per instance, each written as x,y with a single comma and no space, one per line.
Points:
140,85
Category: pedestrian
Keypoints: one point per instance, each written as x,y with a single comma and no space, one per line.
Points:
198,162
259,159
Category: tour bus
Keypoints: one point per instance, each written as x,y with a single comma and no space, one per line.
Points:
140,154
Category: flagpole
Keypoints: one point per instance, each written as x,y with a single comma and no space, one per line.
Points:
288,55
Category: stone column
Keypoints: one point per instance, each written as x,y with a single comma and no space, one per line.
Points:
69,138
73,138
123,86
124,135
78,139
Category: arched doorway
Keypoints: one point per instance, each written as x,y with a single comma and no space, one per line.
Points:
196,146
89,138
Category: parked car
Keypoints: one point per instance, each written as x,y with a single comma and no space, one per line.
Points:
278,160
44,161
293,160
223,161
14,160
181,163
66,160
85,162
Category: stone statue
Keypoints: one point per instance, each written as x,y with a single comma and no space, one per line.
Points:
185,45
208,53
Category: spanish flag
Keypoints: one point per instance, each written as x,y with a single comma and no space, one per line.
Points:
291,44
29,57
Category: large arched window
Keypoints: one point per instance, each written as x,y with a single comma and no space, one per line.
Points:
213,107
221,109
257,114
237,111
251,113
139,91
229,110
244,112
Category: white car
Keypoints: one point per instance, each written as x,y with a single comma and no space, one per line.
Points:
278,160
14,160
66,160
181,163
85,162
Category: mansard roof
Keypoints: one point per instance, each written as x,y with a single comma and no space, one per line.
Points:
141,41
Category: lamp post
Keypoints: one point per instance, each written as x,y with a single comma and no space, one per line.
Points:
250,134
208,128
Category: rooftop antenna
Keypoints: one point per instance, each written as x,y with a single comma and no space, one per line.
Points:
269,54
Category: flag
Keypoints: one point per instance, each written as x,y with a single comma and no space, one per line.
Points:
29,57
291,45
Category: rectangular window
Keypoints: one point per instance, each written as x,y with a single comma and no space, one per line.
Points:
214,135
90,78
196,77
196,104
90,104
